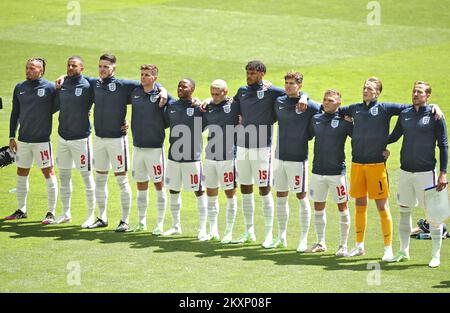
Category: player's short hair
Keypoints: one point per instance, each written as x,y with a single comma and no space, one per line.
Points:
191,81
219,84
421,82
377,81
76,57
256,65
297,76
41,60
332,92
108,57
152,68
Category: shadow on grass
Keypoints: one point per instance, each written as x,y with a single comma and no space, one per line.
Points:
443,284
249,252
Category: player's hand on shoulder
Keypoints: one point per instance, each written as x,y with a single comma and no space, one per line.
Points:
301,106
204,104
436,110
196,102
266,84
349,119
60,81
163,96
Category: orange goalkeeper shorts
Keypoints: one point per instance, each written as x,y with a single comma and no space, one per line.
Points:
369,179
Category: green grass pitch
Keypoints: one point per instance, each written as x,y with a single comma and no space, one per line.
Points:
329,41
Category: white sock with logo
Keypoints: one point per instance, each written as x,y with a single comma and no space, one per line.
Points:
89,184
101,195
202,212
175,208
436,240
125,196
305,218
65,190
161,200
404,228
142,204
231,212
52,190
268,210
248,206
22,187
282,216
320,222
345,227
213,212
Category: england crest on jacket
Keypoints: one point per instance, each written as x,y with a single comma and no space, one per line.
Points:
112,87
41,92
374,111
190,111
260,94
426,120
334,123
227,108
154,98
78,91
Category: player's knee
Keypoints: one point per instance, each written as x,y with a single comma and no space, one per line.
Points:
246,189
361,201
301,195
264,191
48,172
23,171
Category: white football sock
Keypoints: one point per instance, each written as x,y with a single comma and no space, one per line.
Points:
282,216
305,218
175,208
320,222
89,184
436,238
65,190
101,195
161,200
345,227
268,210
52,191
248,206
202,212
404,229
213,211
125,196
22,187
231,212
142,204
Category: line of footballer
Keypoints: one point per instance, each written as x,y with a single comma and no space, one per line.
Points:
258,104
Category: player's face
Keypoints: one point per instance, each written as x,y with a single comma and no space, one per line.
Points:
419,95
106,69
254,77
370,91
184,89
218,94
331,103
292,87
147,78
33,70
74,68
